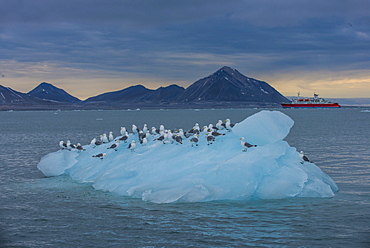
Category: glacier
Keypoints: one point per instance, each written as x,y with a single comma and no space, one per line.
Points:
167,173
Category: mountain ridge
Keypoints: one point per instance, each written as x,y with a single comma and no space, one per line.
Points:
130,93
226,87
10,96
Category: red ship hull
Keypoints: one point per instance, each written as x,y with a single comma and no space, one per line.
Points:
310,105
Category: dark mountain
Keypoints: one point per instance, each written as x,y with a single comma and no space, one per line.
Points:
10,96
229,85
132,93
225,88
225,85
49,92
164,94
139,93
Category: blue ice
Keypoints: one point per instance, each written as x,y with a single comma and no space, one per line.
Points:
166,173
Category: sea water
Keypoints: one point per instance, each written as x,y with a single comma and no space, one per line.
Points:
58,212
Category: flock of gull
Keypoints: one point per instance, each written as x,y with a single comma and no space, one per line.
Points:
144,135
165,136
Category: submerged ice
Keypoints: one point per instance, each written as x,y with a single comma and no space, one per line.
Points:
174,172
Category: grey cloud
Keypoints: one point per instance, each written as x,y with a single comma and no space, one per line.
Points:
174,37
270,13
97,12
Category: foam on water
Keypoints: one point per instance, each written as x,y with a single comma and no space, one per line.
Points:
164,173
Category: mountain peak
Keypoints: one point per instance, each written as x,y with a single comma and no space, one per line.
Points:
224,69
229,85
229,72
46,84
227,69
49,92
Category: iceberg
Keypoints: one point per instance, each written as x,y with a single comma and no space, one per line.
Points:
171,172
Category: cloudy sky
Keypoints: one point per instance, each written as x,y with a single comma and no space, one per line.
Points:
88,47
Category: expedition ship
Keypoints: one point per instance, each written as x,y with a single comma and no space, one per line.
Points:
315,102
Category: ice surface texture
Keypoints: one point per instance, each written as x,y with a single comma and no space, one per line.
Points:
165,173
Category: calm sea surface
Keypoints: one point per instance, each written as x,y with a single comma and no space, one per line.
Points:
58,212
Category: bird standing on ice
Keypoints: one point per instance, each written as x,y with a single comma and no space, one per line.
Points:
210,138
68,145
132,146
181,133
162,137
141,135
178,139
145,128
135,130
219,125
245,144
168,137
79,147
215,133
95,142
144,141
72,146
114,146
205,129
304,158
154,131
212,128
124,137
62,144
100,155
104,138
228,124
194,140
110,136
196,129
123,130
161,128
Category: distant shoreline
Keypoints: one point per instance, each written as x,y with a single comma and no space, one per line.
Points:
134,106
148,106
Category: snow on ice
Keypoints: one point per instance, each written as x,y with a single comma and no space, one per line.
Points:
165,172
